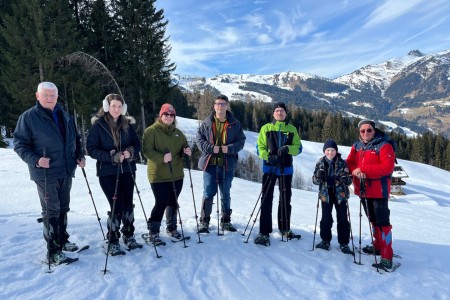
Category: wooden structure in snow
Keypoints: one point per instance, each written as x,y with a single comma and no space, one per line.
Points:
396,181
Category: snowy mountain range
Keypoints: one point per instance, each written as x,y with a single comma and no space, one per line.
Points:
411,91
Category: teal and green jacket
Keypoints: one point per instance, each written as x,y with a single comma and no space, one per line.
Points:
273,136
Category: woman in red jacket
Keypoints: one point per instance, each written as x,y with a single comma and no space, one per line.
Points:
371,162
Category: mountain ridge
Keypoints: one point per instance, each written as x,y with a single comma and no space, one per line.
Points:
396,90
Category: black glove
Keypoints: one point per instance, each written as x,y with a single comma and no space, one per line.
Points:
273,160
283,151
131,150
320,175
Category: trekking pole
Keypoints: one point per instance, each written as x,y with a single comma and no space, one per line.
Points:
95,207
188,161
218,200
259,197
284,211
360,243
112,215
142,205
264,193
44,154
351,230
315,226
176,199
363,192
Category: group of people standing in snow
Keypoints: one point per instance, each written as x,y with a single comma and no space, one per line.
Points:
47,140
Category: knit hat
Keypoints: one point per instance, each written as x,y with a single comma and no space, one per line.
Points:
330,143
365,121
167,108
280,105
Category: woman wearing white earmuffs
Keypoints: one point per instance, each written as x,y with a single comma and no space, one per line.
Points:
113,142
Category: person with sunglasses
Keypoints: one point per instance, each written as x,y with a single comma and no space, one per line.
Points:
163,144
219,138
371,162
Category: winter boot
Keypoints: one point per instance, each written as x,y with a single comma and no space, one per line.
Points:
323,245
386,243
384,264
114,249
70,247
58,258
174,233
225,222
289,234
262,239
203,227
131,243
154,238
346,249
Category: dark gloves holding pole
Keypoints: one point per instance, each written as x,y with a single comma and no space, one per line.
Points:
320,175
283,151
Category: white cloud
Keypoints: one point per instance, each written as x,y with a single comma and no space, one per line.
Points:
264,39
392,9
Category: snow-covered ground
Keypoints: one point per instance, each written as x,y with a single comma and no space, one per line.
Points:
225,267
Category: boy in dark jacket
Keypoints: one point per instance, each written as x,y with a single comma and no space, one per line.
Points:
332,176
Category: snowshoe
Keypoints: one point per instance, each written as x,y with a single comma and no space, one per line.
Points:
152,241
203,228
59,258
262,239
369,249
174,234
228,226
114,249
290,235
386,265
323,245
70,247
346,249
131,243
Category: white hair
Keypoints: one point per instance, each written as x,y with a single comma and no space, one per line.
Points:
47,85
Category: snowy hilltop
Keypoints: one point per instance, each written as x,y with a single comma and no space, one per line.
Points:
225,267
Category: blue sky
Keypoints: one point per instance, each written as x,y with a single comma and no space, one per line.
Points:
328,38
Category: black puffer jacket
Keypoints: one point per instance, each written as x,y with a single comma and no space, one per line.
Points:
100,143
36,130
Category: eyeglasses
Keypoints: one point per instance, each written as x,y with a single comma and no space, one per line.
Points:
51,96
169,115
369,130
220,103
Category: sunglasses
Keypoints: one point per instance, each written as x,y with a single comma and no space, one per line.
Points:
169,115
220,103
369,130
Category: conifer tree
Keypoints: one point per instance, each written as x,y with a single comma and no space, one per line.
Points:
36,35
144,65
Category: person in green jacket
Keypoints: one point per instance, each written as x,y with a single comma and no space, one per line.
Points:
277,143
164,143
